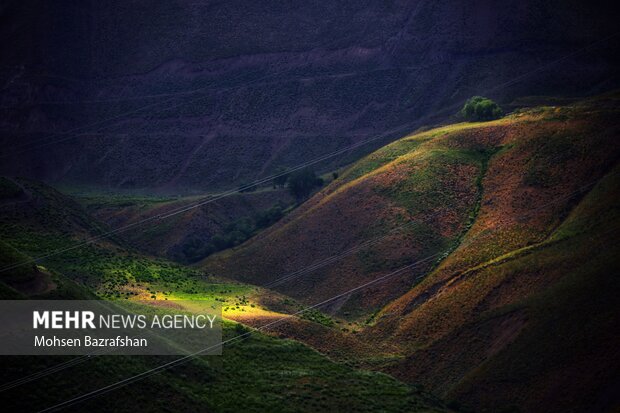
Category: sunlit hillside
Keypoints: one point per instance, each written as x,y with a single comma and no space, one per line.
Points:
509,229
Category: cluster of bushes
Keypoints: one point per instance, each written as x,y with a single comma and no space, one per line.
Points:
480,109
318,317
299,183
235,233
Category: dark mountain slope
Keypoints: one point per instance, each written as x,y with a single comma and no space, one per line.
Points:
204,95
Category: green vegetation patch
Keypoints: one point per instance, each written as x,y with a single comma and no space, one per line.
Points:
480,109
256,374
383,156
106,271
195,248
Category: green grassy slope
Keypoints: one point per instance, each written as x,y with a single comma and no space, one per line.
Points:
522,314
436,183
418,195
259,374
516,310
50,221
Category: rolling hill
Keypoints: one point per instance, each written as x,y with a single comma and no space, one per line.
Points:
506,231
36,219
418,196
435,264
186,237
535,327
510,230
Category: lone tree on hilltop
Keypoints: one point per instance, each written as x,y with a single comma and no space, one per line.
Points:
479,109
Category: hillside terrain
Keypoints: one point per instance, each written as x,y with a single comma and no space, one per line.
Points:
400,206
510,231
36,220
187,237
536,327
196,96
495,244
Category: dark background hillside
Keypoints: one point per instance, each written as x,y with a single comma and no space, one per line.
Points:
195,95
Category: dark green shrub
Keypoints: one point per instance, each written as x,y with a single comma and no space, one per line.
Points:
479,109
235,233
240,329
266,218
301,183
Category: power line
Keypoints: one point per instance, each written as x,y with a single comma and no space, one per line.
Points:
184,359
184,209
278,281
148,373
301,166
210,200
